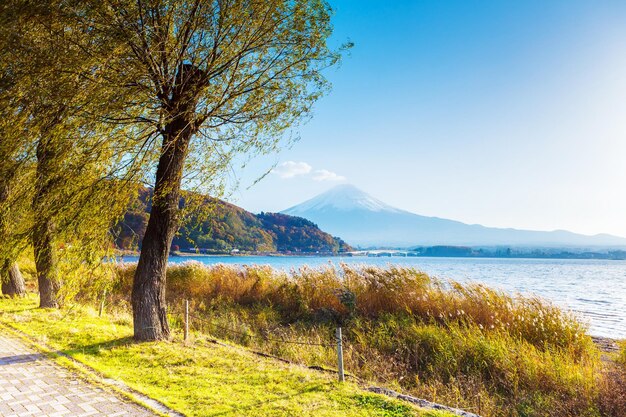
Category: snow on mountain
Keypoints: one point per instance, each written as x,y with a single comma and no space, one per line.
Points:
344,197
360,219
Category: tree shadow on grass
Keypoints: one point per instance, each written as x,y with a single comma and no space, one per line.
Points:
13,310
95,348
256,404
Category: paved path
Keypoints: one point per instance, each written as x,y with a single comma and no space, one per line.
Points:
33,385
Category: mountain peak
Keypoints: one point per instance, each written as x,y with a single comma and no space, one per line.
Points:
365,221
343,197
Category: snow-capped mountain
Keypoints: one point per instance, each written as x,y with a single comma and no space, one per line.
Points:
365,221
344,197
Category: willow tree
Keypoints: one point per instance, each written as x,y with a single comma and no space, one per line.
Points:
55,65
215,78
13,219
14,197
15,181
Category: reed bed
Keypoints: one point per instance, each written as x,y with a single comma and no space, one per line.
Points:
462,344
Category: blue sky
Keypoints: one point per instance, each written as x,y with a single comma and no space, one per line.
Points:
508,114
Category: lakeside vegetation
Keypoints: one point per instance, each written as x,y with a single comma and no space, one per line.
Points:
465,346
462,345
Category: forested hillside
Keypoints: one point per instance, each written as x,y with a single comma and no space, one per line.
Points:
225,227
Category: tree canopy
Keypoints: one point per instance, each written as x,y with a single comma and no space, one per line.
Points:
103,94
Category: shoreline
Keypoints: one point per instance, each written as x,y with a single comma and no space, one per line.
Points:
607,344
344,255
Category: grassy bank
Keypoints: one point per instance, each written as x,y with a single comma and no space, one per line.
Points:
466,346
463,345
198,379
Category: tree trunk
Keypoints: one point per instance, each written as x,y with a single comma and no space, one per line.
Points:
46,263
148,297
13,282
43,230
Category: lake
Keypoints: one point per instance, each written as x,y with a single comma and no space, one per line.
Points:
595,290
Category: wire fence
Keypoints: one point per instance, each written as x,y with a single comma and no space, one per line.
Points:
187,318
264,338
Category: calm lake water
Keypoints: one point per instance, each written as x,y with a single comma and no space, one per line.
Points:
595,290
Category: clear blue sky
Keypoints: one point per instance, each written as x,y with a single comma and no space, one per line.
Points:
503,113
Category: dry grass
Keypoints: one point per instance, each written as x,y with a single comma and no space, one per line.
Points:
622,354
464,345
612,387
372,292
612,392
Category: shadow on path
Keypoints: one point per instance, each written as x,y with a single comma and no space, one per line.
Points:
26,358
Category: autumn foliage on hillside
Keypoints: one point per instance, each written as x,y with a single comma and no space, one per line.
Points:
223,227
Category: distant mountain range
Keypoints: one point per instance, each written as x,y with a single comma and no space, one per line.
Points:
228,227
365,221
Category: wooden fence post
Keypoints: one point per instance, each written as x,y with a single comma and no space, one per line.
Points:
186,319
339,354
104,297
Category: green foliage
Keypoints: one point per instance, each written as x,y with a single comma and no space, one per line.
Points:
69,164
86,88
242,74
389,409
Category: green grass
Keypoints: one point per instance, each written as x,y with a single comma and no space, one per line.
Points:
199,378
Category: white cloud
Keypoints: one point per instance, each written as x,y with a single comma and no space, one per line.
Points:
292,169
326,175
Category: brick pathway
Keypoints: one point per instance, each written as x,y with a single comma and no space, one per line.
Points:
33,385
